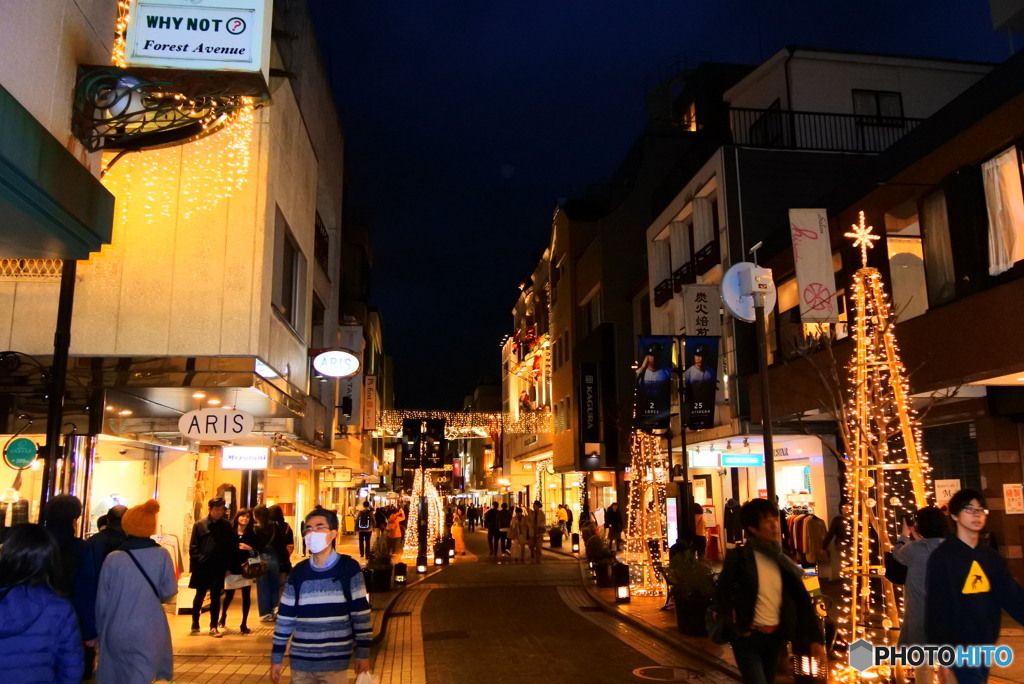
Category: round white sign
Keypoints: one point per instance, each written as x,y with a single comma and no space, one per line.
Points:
216,423
336,364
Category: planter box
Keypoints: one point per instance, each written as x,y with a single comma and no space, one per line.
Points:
555,539
690,616
377,579
603,572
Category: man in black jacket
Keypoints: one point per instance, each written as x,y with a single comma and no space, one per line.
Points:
491,523
212,550
762,593
967,585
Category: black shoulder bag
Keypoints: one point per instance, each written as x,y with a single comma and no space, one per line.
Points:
148,581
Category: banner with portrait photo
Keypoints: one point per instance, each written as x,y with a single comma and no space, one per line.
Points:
700,381
654,383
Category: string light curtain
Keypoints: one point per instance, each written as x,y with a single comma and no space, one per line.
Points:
887,475
646,525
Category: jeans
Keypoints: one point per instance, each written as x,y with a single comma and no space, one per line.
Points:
492,542
970,675
268,587
757,656
338,677
504,544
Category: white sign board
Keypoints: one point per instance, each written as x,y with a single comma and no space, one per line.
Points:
944,490
1013,498
208,35
701,310
243,458
216,424
812,257
291,462
336,363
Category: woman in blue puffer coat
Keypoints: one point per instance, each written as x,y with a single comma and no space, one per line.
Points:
39,638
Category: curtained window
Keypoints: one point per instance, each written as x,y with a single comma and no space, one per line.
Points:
938,253
1005,201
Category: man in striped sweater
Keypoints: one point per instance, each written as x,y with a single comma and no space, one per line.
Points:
324,611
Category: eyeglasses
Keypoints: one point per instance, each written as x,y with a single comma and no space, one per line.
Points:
971,510
319,528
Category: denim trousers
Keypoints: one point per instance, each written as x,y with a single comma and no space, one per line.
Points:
757,656
268,587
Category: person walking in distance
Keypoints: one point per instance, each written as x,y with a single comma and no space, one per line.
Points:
135,639
324,612
762,595
244,529
395,531
613,522
364,526
967,586
519,532
504,523
491,523
537,521
39,639
471,516
212,549
457,532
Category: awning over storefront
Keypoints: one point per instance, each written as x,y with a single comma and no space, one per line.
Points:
51,207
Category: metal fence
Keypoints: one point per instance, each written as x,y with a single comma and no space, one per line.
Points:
776,128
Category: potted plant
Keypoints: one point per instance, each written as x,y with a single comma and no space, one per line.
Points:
602,558
555,533
377,573
692,585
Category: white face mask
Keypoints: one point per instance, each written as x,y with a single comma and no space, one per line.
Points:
316,541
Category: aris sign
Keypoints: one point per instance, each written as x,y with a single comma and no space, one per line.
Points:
336,363
214,424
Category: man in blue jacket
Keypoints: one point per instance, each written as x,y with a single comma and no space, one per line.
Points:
968,585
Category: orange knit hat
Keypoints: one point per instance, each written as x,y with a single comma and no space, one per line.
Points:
140,521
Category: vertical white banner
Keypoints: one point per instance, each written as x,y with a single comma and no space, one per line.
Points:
350,389
370,403
701,310
812,256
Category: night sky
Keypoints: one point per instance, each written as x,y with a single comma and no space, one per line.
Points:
465,123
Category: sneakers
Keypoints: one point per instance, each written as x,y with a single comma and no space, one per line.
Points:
215,633
194,632
269,617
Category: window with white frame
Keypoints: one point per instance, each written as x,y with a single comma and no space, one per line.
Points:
1005,202
289,296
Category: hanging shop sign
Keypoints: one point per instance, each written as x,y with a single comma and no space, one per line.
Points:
215,35
244,458
336,363
742,460
812,257
654,383
350,388
944,491
336,476
280,461
370,403
590,403
216,424
20,453
701,313
700,380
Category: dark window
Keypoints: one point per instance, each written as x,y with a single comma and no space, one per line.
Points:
878,107
321,244
289,275
953,453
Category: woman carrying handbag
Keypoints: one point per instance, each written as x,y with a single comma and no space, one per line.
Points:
242,524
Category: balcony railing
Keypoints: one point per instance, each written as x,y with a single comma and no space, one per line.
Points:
683,275
775,128
706,258
321,244
663,292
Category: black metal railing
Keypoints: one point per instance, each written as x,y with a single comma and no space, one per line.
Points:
707,257
663,292
816,130
684,275
321,244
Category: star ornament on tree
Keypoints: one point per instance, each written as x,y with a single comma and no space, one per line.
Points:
863,238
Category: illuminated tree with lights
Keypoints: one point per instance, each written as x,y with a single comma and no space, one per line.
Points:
435,518
646,525
887,474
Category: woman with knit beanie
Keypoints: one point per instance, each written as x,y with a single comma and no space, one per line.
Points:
135,641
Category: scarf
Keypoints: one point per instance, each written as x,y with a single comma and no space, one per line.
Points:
774,551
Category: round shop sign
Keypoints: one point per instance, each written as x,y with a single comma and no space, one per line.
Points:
336,363
20,453
215,424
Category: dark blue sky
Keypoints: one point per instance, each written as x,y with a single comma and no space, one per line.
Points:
466,121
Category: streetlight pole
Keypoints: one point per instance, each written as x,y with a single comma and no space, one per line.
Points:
766,404
684,518
422,522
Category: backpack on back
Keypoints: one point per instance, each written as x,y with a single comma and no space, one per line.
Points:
365,520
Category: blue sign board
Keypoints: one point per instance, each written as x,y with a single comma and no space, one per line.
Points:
742,460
